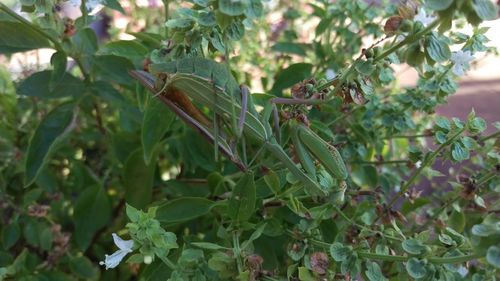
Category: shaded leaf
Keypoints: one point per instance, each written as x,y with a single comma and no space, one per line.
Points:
37,85
18,37
242,202
138,179
92,212
183,209
156,122
291,75
50,130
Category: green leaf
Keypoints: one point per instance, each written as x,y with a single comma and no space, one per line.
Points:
484,230
156,122
486,9
138,179
114,68
339,252
37,85
115,5
306,275
459,153
493,256
231,7
443,123
365,67
124,48
209,246
413,246
477,125
83,268
289,76
58,62
438,5
437,48
289,48
373,272
51,129
17,37
10,235
92,212
132,213
183,209
241,205
254,9
416,268
273,181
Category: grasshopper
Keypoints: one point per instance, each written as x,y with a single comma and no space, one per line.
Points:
185,82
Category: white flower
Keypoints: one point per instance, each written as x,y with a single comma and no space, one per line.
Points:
424,18
461,61
71,9
418,164
124,246
462,270
330,74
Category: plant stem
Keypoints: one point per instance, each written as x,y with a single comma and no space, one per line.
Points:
428,161
409,136
382,257
492,136
381,162
13,14
364,227
237,251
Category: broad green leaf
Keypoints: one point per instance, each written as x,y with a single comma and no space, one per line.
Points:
50,130
438,5
37,85
156,122
373,272
273,181
365,67
339,252
138,179
124,48
437,48
493,256
115,5
255,235
183,209
413,246
58,62
291,75
254,9
416,268
114,68
459,153
443,123
484,230
306,275
10,235
231,7
18,37
92,212
289,48
477,125
486,9
242,202
83,268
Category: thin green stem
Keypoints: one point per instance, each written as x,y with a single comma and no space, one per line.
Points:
342,214
427,162
22,20
408,136
381,162
382,257
492,136
237,251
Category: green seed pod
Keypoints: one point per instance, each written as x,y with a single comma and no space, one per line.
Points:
326,154
305,159
369,53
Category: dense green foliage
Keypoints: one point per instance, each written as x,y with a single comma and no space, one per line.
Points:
315,178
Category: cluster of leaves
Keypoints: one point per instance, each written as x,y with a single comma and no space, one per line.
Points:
84,149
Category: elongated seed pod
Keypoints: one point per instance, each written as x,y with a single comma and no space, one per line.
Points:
326,154
304,158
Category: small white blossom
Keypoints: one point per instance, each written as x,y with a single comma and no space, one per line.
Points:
462,270
418,164
461,61
124,246
71,9
424,18
330,74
